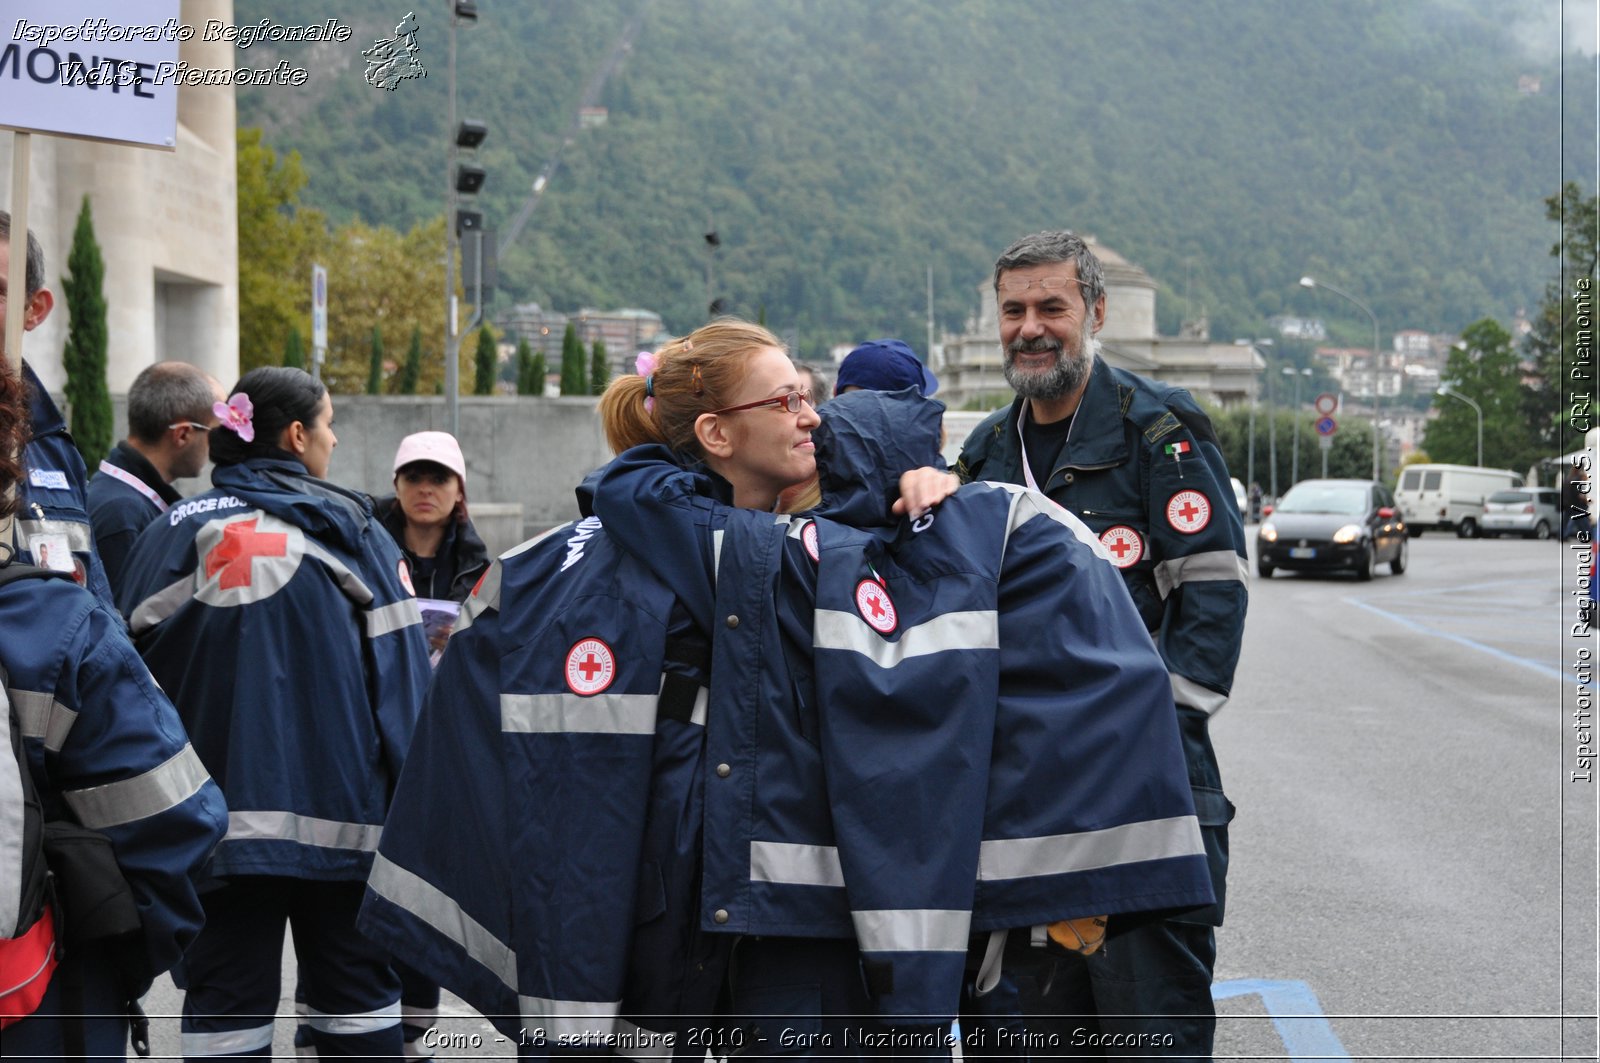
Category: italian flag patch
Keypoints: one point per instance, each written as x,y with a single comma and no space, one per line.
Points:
1177,449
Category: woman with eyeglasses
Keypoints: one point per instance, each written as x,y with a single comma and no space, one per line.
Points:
810,855
271,609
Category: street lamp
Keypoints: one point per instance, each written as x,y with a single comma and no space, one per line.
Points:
1377,372
467,179
1294,463
1445,389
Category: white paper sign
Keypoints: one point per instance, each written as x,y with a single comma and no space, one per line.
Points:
102,69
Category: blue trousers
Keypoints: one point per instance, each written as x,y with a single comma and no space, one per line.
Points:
101,1013
1147,992
797,997
232,972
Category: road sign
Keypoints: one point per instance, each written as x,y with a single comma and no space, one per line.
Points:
1326,426
319,307
1326,403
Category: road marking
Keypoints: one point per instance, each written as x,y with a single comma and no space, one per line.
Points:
1537,666
1295,1012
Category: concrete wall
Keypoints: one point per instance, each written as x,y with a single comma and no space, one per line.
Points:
521,451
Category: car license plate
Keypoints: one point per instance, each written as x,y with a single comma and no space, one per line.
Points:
1302,553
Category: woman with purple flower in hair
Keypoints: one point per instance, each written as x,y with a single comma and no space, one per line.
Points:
273,610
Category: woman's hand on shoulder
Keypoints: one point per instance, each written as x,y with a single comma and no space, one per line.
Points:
922,489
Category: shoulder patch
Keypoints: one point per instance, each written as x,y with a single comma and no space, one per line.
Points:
1164,425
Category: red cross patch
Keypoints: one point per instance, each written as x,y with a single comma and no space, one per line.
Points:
591,666
405,578
1189,512
876,607
808,537
241,544
1123,544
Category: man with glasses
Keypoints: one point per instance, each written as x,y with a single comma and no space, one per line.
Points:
1139,463
169,422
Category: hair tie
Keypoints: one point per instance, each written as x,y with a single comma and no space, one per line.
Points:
236,415
644,364
699,385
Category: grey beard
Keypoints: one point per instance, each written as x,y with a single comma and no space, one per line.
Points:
1059,381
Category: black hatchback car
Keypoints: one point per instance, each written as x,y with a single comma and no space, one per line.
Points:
1333,525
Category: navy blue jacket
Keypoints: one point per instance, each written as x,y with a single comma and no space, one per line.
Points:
1143,470
55,508
541,857
272,612
119,511
1044,780
107,751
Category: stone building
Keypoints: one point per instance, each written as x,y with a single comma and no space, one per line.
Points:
970,366
167,224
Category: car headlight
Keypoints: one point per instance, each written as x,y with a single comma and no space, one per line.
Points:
1347,534
1269,533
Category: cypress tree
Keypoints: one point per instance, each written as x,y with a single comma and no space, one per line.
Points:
294,355
375,367
84,357
537,372
574,380
411,372
524,367
599,369
484,363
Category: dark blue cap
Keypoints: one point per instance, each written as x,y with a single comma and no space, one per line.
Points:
884,365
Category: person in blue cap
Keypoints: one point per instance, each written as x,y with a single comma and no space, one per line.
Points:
884,365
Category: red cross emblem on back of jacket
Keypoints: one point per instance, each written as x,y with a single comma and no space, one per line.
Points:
241,544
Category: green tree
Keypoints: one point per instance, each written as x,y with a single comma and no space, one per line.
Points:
484,363
527,383
1349,456
380,276
411,372
294,355
1561,409
278,239
574,379
538,372
599,368
84,357
1484,368
375,364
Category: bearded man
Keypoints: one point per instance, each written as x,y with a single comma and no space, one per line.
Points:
1139,463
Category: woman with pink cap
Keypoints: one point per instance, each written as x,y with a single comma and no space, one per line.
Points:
427,515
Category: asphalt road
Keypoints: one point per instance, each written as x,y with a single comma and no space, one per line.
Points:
1410,843
1414,871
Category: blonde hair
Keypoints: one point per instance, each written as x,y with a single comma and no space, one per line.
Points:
694,374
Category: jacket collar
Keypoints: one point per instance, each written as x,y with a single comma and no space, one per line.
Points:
124,457
1097,438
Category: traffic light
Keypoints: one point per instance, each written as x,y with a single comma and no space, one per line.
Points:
468,221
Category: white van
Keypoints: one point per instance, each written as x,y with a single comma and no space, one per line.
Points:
1449,497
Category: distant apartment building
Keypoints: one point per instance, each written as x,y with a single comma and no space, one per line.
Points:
626,331
1299,328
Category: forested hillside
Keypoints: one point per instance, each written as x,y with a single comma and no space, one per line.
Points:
840,149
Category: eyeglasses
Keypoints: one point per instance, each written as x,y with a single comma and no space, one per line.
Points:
190,424
789,403
1022,284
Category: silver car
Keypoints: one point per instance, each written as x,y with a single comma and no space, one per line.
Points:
1531,512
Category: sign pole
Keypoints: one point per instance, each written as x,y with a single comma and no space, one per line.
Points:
17,273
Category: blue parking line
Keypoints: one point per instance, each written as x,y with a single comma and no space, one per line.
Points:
1295,1012
1511,658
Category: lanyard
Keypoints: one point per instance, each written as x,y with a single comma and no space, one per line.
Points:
134,482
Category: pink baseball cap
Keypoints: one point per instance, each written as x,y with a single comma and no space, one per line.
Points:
440,448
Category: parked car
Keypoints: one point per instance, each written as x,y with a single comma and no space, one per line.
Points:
1450,497
1532,512
1241,499
1333,525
